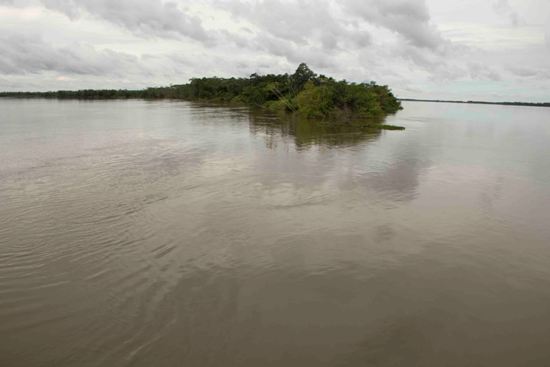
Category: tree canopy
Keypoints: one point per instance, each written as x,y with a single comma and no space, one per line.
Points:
304,93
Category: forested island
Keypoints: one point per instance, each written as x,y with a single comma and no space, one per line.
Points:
304,93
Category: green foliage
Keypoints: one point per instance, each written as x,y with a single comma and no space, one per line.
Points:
315,102
304,92
299,79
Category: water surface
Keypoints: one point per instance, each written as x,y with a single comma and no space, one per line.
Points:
137,233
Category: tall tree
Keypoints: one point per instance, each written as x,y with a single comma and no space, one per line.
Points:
302,75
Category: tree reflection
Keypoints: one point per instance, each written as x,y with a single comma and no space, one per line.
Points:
306,133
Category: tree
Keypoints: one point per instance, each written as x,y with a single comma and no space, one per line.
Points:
299,79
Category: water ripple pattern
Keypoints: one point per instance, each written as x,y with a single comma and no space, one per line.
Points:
138,233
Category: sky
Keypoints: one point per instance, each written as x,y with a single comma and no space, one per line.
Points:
493,50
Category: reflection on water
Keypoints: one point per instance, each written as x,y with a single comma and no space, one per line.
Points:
310,133
166,233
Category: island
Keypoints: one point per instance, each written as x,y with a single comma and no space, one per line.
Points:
304,94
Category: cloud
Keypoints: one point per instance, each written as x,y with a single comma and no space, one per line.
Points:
145,17
420,46
503,7
480,71
24,54
528,72
410,19
300,22
294,53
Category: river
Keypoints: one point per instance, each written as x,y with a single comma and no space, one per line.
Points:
165,233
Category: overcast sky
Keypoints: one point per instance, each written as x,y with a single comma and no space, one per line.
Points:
453,49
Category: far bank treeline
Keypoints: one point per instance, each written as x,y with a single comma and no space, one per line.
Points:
305,93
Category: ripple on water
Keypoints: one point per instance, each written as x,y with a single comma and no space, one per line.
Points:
184,235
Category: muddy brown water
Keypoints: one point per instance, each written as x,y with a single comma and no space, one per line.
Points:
136,233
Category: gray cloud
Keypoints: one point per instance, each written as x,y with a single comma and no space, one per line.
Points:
527,72
421,48
503,7
145,17
410,19
481,71
24,54
301,22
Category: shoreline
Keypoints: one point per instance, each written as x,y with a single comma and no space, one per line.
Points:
524,104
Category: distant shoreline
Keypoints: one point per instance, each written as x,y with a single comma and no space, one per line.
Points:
527,104
53,95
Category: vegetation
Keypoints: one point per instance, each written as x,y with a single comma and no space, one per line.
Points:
304,93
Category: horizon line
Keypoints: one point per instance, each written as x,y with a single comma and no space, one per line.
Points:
37,94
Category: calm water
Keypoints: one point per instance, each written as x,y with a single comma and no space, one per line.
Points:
170,234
